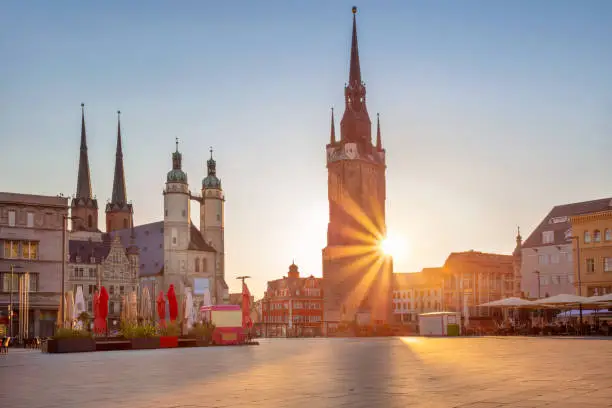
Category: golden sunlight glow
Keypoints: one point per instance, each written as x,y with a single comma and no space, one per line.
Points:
393,246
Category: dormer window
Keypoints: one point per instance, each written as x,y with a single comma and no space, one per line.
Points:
548,237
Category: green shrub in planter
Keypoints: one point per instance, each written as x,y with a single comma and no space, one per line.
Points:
70,341
172,329
202,332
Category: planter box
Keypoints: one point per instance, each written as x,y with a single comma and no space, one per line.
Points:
202,343
168,341
144,343
71,345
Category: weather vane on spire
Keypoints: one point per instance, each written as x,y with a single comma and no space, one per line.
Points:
177,140
211,152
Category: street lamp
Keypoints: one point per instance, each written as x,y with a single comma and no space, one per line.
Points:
538,275
10,308
577,238
64,228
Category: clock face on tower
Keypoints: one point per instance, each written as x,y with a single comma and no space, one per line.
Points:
350,149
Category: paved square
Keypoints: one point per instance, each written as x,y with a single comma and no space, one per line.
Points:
384,372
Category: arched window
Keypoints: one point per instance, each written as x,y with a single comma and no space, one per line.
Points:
89,221
597,236
197,265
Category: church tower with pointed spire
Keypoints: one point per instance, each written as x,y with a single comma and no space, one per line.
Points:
212,214
517,262
84,207
119,212
356,276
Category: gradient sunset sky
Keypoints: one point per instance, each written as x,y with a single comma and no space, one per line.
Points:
491,112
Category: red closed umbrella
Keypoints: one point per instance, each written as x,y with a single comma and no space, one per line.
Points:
247,323
172,304
161,309
96,311
102,310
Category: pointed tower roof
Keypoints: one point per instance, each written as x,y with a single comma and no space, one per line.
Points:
519,242
211,180
332,137
378,136
177,175
83,179
119,194
355,126
355,70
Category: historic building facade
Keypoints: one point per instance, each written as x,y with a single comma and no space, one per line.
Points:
592,250
547,255
356,276
174,251
417,292
292,305
473,278
95,258
31,245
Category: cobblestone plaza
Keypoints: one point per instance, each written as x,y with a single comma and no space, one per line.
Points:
383,372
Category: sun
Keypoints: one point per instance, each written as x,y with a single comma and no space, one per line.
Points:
393,246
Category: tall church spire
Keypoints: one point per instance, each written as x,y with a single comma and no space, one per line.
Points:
355,70
332,137
355,126
84,178
119,213
84,208
119,194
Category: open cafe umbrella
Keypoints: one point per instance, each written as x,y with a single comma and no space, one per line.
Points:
602,299
563,299
161,309
79,306
172,304
509,302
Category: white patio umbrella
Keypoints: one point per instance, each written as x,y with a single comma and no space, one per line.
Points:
509,302
600,299
563,299
79,306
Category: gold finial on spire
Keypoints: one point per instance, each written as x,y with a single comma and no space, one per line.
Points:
177,141
354,9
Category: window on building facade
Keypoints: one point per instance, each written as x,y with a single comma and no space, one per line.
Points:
590,265
11,218
197,265
556,280
111,289
543,259
596,236
11,249
29,249
6,282
570,278
121,290
587,237
554,258
30,220
548,237
607,264
204,265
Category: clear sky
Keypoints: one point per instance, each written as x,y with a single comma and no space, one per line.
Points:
492,112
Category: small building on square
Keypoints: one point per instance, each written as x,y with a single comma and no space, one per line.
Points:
417,292
293,305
